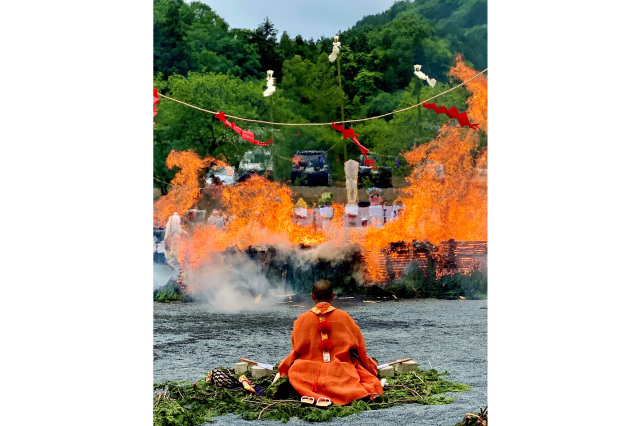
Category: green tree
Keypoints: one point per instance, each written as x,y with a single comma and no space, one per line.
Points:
170,51
181,128
264,37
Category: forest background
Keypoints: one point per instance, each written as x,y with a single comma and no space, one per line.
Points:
200,60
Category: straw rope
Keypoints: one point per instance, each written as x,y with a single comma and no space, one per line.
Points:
324,124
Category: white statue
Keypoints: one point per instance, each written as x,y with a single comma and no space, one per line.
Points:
351,174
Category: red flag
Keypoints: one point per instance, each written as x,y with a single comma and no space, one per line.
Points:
453,113
362,148
349,133
244,134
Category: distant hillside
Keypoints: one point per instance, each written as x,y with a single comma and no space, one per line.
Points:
462,22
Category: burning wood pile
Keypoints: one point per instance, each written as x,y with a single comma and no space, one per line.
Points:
462,257
451,257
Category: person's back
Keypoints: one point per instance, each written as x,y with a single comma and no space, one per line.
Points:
329,356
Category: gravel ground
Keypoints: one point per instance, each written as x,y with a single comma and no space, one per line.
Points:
191,339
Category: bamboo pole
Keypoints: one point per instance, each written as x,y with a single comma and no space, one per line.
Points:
344,142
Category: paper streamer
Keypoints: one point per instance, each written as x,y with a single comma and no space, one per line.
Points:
453,113
244,134
336,49
271,88
423,76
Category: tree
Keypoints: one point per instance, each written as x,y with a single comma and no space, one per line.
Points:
264,37
179,127
171,55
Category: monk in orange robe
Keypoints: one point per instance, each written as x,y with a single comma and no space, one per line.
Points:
329,358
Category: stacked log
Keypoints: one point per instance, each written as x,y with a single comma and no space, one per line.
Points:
400,254
462,257
450,257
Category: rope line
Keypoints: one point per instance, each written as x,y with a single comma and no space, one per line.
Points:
325,124
332,146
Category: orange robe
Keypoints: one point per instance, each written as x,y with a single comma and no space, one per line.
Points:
344,378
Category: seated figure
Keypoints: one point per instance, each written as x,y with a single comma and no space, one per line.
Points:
329,357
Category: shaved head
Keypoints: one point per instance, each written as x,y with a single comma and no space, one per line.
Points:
322,291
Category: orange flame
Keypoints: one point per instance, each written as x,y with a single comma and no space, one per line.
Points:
447,193
477,102
296,160
446,199
185,189
260,212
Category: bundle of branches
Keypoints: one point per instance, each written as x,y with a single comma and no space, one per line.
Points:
186,403
472,419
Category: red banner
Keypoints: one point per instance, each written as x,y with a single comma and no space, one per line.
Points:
243,133
348,133
453,113
156,100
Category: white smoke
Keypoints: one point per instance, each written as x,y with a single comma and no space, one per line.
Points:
232,282
334,251
162,274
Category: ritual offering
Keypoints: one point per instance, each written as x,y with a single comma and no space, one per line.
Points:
376,211
351,174
259,364
381,366
222,379
398,206
351,210
324,202
246,383
300,209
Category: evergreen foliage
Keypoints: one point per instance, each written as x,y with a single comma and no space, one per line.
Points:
171,292
186,403
168,293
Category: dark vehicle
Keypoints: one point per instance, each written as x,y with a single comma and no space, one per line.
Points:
310,168
380,178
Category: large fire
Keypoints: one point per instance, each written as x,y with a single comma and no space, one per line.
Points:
260,213
446,198
447,193
185,189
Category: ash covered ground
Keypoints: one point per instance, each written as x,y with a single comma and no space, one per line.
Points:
192,338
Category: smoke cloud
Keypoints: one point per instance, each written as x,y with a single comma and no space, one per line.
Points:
162,274
231,282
